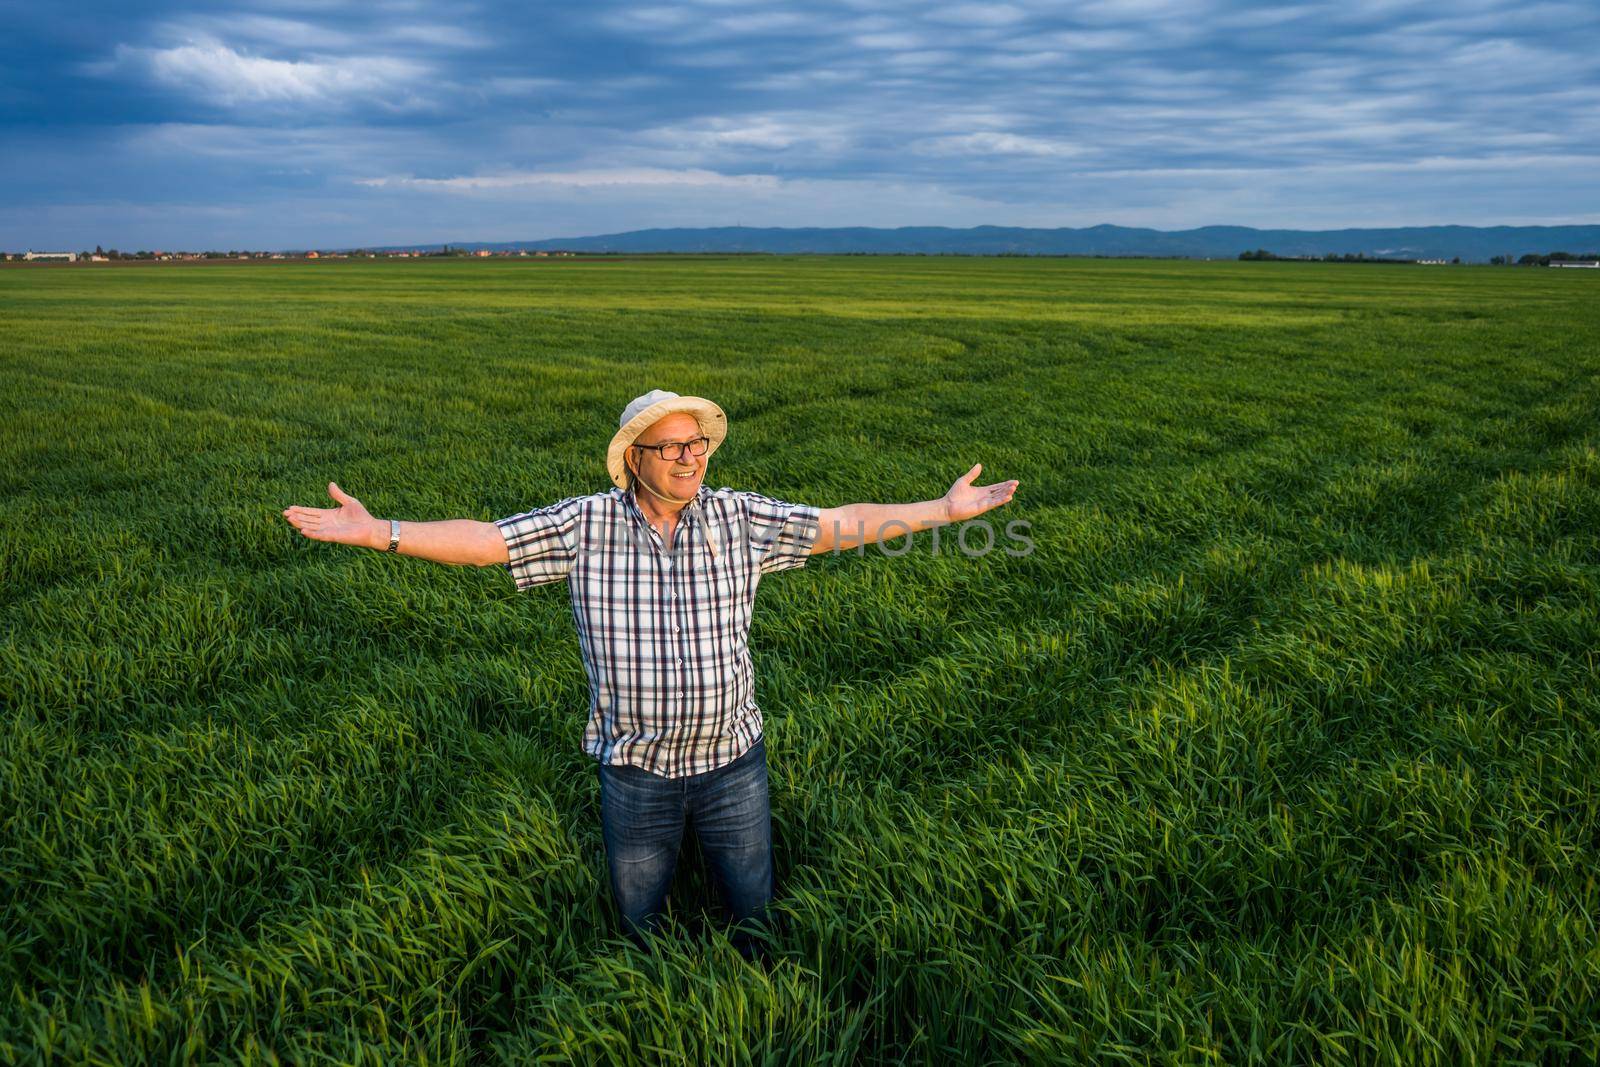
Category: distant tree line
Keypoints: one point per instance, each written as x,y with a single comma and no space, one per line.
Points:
1533,259
112,253
234,253
1331,257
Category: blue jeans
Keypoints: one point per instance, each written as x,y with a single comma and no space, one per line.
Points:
643,817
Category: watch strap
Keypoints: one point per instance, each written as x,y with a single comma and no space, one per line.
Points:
394,535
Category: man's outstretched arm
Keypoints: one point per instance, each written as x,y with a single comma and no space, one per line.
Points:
457,541
865,524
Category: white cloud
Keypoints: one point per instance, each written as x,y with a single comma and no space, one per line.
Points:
922,59
890,41
1256,18
1446,165
761,132
682,25
335,149
273,33
1023,60
761,22
1140,10
266,29
791,202
1089,40
225,76
646,177
987,144
967,117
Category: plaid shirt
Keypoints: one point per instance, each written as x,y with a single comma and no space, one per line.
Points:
664,634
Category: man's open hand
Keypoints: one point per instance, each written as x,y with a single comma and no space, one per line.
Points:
348,524
965,500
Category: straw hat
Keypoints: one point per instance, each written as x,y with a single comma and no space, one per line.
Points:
645,411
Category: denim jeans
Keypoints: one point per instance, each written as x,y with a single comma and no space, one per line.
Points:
643,817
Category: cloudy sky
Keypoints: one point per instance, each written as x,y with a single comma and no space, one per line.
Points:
299,123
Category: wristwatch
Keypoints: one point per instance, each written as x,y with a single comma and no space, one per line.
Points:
394,535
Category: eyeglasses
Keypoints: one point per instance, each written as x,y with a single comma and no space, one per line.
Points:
671,450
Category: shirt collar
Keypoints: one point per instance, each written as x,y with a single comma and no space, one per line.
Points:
691,510
691,517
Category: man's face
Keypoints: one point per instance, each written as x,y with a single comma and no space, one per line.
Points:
676,479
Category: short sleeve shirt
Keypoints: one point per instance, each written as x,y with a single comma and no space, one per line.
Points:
664,634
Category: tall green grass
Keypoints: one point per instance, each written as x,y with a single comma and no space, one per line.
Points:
1280,747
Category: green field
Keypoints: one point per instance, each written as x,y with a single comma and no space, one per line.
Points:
1282,746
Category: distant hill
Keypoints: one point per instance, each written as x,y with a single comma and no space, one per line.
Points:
1472,243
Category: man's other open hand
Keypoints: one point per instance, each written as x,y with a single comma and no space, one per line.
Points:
965,500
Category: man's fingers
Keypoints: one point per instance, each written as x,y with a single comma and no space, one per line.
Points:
1000,492
316,523
300,516
308,521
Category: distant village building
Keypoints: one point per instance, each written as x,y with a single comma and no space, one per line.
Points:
70,257
311,255
1591,264
481,253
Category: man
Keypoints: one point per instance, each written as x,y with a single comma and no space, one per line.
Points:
662,572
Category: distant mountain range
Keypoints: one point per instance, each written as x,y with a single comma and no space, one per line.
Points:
1472,243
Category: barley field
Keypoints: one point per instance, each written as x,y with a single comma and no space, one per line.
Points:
1280,746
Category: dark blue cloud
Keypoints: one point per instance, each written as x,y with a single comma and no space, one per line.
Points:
322,122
